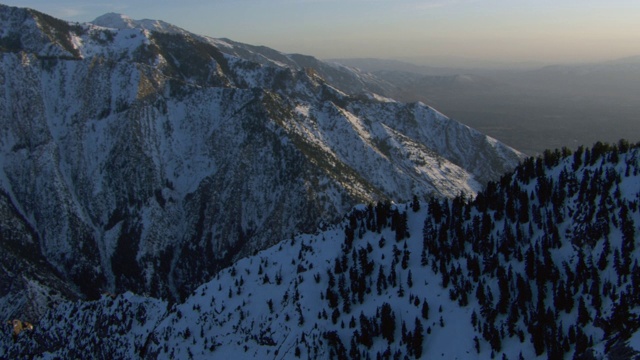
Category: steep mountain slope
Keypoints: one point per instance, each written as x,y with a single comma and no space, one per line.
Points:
143,157
29,283
542,264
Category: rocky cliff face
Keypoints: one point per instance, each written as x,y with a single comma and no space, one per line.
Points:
138,156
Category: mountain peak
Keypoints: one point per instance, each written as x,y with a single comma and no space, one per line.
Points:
121,21
114,20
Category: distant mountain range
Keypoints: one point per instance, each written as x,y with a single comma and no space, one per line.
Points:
138,156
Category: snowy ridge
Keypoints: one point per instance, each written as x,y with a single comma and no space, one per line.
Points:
553,275
146,158
121,22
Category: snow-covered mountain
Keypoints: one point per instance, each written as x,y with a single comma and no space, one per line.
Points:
138,156
542,264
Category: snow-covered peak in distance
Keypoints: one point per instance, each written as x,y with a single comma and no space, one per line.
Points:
121,21
114,20
350,80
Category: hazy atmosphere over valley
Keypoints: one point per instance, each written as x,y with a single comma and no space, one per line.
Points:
321,179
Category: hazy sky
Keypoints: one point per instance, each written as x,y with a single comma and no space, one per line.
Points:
487,30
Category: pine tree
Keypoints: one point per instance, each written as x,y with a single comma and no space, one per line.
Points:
476,344
300,316
382,242
366,331
404,332
425,309
583,313
393,276
381,283
530,263
353,350
415,204
505,295
606,250
424,261
474,319
405,257
388,323
335,315
628,240
418,339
